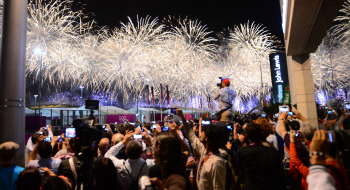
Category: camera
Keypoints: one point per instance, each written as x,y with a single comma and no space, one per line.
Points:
219,84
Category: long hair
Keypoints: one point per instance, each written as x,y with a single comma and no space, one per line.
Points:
266,129
168,153
105,175
29,179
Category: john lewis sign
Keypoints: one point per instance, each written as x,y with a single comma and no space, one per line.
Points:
279,75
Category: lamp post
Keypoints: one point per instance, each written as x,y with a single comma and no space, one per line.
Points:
35,96
81,88
39,51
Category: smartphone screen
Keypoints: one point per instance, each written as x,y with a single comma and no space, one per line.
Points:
173,110
153,122
276,115
154,127
290,113
205,122
70,132
330,134
229,127
47,139
116,123
326,108
132,123
283,109
103,126
297,134
137,136
165,128
347,105
263,115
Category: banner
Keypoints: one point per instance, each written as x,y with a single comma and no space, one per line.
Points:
279,75
286,95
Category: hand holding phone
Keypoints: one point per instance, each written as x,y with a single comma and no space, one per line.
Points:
137,136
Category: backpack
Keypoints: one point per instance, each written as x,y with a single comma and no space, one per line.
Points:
135,183
234,181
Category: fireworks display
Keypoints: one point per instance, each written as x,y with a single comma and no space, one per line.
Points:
330,63
124,60
178,53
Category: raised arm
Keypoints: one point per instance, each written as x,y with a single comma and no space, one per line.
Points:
184,146
109,130
114,150
235,130
298,115
195,142
35,150
217,94
294,159
282,128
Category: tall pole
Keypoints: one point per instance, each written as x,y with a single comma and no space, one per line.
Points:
35,96
262,86
41,56
12,76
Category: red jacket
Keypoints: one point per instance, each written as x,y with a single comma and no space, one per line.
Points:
299,167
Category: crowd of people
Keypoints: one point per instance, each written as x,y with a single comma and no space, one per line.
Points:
252,152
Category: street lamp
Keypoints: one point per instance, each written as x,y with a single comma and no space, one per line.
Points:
81,88
39,51
35,96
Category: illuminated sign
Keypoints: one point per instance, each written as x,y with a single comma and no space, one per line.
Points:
279,75
278,69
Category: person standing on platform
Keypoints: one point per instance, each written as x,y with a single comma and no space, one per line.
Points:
225,96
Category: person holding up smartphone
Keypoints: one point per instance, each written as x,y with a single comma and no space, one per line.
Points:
207,147
326,117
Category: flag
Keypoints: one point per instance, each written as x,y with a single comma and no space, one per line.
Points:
167,94
161,94
147,94
152,95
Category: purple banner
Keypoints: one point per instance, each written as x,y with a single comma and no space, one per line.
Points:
189,116
120,118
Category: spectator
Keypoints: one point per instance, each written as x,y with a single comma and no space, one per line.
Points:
105,175
167,152
307,131
319,178
66,153
115,140
225,96
132,169
29,179
336,168
103,147
345,132
44,149
211,170
266,131
323,121
261,166
33,139
8,170
56,183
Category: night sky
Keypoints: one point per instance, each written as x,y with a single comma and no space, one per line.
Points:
216,14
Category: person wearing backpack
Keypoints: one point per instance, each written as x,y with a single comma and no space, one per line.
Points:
130,171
